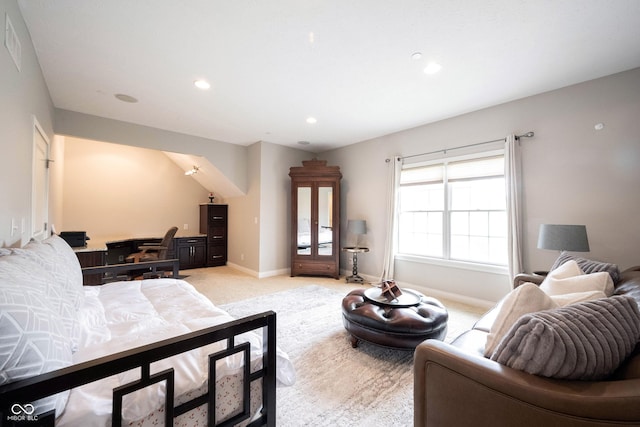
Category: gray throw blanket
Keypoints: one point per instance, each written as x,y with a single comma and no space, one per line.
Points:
583,341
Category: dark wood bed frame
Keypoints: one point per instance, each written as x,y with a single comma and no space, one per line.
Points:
16,394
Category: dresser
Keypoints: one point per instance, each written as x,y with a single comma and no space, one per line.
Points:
315,219
214,224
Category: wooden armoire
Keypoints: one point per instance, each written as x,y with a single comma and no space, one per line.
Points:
315,219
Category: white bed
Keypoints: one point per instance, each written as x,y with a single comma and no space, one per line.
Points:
154,310
58,336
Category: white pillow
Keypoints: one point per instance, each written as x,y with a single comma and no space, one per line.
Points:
33,338
525,299
61,291
68,269
569,279
566,299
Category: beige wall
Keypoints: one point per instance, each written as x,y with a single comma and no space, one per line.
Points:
275,206
244,233
259,226
572,174
115,191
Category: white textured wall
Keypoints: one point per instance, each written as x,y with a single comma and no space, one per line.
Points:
572,174
24,95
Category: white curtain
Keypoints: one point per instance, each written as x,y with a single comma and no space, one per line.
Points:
393,180
514,214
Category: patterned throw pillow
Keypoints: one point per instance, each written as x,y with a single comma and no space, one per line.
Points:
33,339
589,266
63,294
582,341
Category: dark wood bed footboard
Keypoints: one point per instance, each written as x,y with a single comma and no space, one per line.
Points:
17,396
109,273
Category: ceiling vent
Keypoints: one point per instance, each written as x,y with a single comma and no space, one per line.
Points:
12,43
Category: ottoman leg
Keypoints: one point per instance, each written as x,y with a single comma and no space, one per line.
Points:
354,341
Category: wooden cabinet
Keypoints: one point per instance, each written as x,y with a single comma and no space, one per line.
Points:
315,219
191,251
213,223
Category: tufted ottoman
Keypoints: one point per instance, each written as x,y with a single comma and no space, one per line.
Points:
403,323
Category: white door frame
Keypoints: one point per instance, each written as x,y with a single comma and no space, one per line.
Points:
40,182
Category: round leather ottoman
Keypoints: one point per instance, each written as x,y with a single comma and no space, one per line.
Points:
402,324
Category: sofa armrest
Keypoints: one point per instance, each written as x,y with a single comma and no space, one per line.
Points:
634,268
522,278
452,387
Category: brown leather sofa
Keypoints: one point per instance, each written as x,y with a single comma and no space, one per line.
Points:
455,385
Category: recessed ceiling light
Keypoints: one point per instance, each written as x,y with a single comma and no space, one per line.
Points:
432,68
126,98
202,84
311,120
416,55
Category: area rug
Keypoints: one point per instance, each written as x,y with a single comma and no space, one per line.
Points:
336,385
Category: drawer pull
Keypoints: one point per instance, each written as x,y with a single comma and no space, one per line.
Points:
192,241
216,256
218,237
218,218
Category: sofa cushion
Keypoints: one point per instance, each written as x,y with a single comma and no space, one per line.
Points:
569,279
527,298
589,266
583,341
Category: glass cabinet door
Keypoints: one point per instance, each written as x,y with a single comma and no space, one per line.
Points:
304,221
325,220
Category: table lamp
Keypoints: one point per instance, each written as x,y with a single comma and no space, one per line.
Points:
357,227
563,237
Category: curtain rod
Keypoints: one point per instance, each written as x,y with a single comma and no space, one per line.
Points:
444,150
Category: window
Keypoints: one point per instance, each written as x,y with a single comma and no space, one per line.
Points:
454,209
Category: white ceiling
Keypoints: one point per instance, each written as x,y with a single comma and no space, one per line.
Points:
273,63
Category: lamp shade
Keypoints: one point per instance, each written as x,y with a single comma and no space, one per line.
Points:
357,226
563,237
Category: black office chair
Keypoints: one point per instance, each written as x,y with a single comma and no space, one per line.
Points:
154,251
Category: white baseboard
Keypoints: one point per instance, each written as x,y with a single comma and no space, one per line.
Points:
246,270
431,292
450,296
280,272
261,274
372,280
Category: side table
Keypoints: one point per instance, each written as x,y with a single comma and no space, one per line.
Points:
355,250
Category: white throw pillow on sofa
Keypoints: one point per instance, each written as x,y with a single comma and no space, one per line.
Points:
525,299
569,279
563,286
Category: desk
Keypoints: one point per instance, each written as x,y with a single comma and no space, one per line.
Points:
355,278
191,251
92,255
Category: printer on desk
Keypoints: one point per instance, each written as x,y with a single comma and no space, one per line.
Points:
75,239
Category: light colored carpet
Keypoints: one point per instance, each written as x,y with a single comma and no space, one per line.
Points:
336,384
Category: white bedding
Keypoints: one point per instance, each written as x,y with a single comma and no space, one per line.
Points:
123,315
